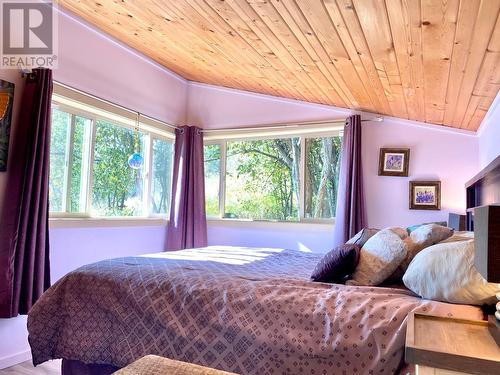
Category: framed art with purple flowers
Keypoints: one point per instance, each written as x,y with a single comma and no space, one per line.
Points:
425,195
394,162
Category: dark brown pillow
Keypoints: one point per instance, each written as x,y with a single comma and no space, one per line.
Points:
337,264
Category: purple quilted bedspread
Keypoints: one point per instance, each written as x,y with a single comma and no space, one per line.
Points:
245,310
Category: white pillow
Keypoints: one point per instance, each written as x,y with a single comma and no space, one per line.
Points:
379,257
446,272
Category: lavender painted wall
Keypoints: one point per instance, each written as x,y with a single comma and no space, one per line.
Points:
436,153
219,107
97,64
75,247
489,135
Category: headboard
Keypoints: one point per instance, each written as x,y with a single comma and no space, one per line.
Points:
483,189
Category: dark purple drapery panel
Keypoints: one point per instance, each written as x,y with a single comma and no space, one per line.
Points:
24,238
350,217
187,227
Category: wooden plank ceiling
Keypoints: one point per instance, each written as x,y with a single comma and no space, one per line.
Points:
429,60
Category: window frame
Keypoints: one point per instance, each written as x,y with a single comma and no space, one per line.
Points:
94,109
319,130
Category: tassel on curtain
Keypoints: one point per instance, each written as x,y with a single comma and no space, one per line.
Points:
350,217
187,227
24,236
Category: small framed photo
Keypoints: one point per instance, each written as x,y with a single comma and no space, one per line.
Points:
425,195
394,162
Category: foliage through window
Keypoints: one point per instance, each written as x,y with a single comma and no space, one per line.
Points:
117,188
212,179
89,171
321,177
284,179
70,136
262,179
161,176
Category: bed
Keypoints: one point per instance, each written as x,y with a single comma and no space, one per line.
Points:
242,310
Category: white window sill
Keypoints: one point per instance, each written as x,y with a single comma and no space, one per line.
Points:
92,222
299,225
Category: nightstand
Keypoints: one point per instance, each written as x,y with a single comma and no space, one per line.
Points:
446,346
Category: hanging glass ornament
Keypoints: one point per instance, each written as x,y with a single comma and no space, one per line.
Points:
136,161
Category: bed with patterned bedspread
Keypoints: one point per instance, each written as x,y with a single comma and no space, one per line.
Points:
243,310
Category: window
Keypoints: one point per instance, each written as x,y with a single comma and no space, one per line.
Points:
161,177
262,179
322,176
89,170
117,189
70,136
284,179
212,179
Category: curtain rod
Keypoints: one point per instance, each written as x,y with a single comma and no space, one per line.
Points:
287,125
116,105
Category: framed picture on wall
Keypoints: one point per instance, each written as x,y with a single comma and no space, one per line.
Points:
394,162
6,101
425,195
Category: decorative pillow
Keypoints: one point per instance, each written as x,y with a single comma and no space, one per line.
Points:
446,272
424,236
379,257
337,264
362,236
413,227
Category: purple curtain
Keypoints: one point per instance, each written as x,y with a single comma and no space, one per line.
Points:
188,223
350,217
24,237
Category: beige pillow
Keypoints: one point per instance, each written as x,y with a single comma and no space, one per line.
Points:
362,236
422,237
446,272
460,236
379,257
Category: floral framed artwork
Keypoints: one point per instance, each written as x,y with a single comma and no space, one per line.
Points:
394,162
6,101
425,195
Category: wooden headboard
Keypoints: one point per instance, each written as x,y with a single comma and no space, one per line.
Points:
483,189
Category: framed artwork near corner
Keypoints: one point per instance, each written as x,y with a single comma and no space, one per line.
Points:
6,103
425,195
394,162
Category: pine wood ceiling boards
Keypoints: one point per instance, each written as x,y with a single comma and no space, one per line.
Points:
428,60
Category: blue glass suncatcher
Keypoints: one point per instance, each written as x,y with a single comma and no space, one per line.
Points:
135,161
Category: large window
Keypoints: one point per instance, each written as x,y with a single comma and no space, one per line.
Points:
284,179
89,170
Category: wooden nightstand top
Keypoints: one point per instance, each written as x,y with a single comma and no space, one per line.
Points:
452,344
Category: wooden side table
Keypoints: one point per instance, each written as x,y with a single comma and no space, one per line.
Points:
446,346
